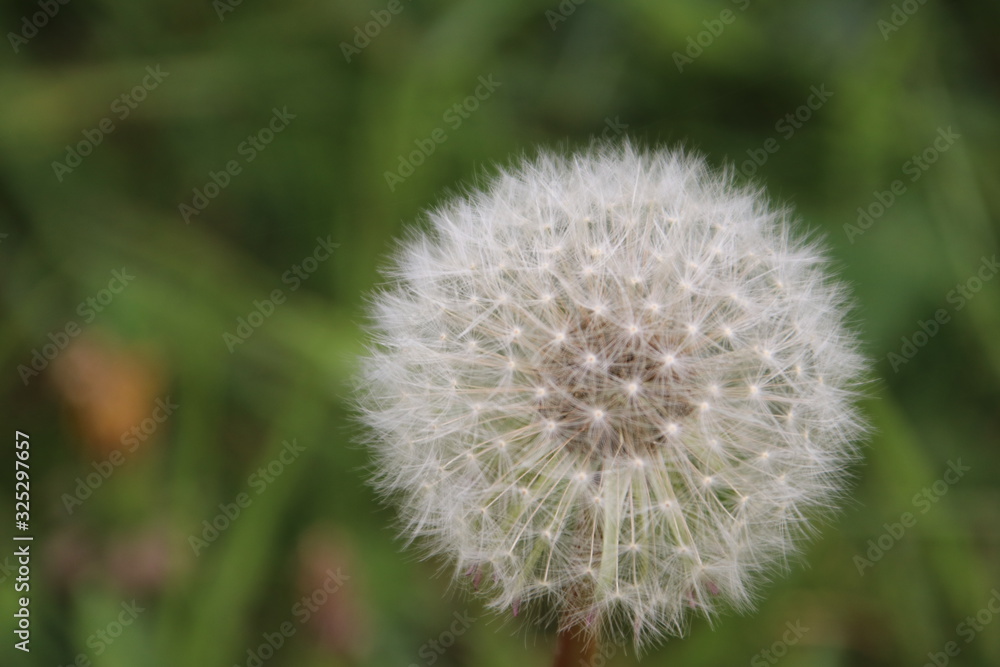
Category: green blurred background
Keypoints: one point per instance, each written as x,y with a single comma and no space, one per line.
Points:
717,77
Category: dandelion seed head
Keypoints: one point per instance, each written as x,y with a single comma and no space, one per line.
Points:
582,382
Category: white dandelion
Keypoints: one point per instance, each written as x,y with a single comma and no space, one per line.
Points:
612,388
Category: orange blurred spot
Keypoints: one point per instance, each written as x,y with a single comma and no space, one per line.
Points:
109,388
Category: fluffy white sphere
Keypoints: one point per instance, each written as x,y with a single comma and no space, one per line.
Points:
612,387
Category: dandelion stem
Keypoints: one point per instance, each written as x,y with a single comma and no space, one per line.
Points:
575,647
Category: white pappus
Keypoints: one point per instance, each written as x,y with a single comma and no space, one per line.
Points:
614,388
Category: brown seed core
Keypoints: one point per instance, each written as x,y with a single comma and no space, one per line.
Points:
612,392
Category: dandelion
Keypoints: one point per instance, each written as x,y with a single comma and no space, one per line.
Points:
613,389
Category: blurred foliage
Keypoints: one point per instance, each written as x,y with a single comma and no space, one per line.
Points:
567,71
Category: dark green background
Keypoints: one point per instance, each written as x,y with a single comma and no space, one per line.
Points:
564,78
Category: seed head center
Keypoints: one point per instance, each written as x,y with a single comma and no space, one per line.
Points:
614,390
